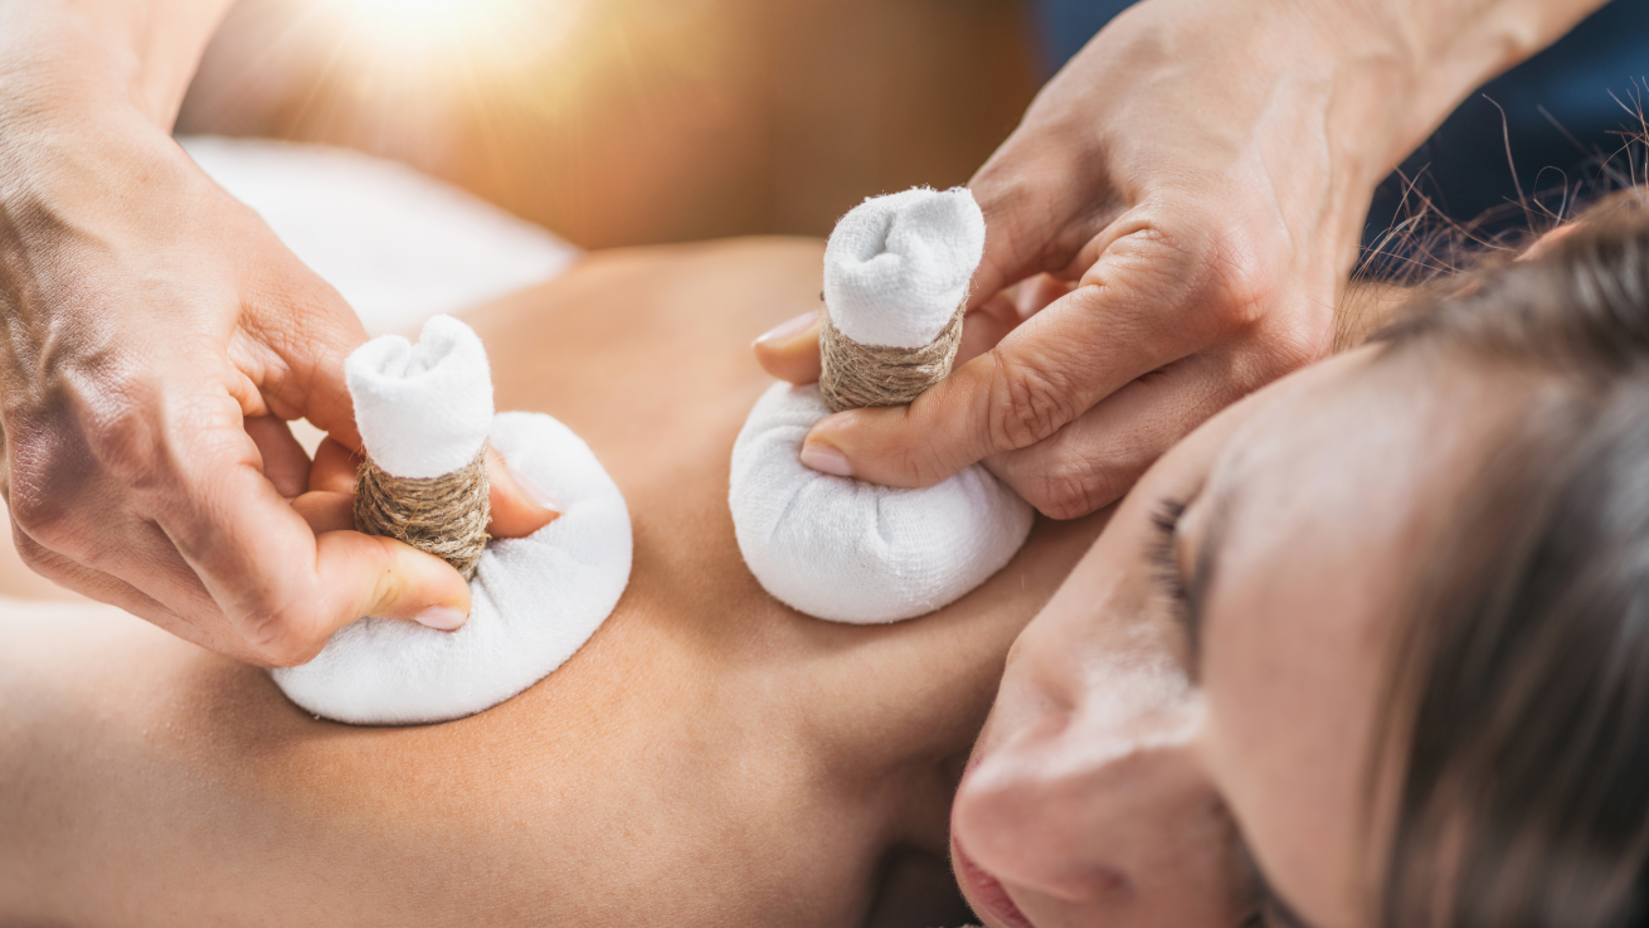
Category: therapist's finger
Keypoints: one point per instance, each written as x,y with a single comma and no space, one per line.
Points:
298,332
1147,303
335,468
1046,206
284,462
985,327
790,350
520,506
326,511
1093,460
1034,294
281,587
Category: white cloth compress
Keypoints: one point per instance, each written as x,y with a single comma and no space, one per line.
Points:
896,268
536,600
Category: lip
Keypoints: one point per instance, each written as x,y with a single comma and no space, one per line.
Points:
987,891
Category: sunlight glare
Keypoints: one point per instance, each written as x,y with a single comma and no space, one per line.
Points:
486,34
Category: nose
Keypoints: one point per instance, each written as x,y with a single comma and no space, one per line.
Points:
1099,800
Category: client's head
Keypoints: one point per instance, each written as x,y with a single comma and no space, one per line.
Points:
1369,648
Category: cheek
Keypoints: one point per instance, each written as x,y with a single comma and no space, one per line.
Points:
1290,720
1085,777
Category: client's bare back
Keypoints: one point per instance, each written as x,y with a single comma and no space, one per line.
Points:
708,758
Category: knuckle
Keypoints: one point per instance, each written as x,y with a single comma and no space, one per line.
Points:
1240,282
921,463
92,418
114,416
125,439
34,555
276,640
69,468
1027,404
44,515
278,635
1074,486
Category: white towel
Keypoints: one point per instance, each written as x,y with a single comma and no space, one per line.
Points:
398,245
536,600
896,267
849,551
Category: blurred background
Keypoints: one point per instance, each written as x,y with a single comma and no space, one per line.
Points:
622,122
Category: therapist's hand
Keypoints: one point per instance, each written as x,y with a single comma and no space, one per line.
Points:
1197,180
156,336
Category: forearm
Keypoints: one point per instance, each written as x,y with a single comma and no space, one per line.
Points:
60,56
89,90
1435,52
1355,85
1334,94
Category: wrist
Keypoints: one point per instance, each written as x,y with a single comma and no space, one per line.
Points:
62,57
1403,65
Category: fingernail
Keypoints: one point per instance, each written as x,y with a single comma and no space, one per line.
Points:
826,459
789,329
441,618
534,492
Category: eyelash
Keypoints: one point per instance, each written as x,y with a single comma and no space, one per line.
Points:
1266,909
1269,911
1262,917
1164,557
1267,914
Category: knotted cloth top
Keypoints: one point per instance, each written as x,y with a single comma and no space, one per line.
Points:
896,274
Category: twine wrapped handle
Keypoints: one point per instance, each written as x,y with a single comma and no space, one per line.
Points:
896,276
425,411
855,376
445,516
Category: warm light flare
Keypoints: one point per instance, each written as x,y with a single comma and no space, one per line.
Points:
480,35
415,80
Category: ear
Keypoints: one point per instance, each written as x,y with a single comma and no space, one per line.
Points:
1544,243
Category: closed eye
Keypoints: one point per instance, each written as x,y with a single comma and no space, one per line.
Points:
1169,576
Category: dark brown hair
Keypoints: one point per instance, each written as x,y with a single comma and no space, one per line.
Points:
1519,700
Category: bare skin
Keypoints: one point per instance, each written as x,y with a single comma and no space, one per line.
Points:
1144,767
708,758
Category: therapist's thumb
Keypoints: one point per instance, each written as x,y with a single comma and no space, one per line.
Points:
367,575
